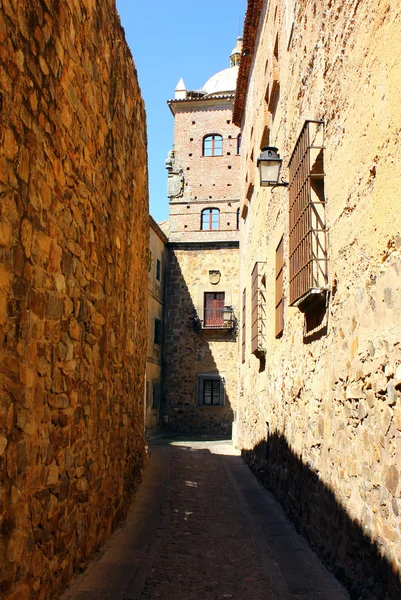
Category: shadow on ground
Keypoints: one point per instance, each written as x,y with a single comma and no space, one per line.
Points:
339,540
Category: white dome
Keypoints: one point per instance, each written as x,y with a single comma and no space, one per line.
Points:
223,82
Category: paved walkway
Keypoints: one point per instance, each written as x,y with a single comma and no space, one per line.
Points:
203,528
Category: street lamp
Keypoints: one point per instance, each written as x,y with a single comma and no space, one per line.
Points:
227,315
269,164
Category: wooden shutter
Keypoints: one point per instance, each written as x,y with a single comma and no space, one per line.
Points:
279,288
243,325
214,307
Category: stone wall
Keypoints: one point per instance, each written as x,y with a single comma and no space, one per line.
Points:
73,281
188,351
319,419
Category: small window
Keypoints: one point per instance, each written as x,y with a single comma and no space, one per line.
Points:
238,218
239,143
213,145
157,333
210,219
155,394
158,269
211,390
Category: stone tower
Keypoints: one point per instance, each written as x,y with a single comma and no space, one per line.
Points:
200,344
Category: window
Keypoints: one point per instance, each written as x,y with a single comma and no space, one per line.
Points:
279,289
213,145
147,393
307,229
157,332
258,318
158,269
238,218
214,309
239,143
243,325
211,390
210,219
155,394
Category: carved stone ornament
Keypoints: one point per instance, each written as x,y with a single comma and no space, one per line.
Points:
175,178
214,277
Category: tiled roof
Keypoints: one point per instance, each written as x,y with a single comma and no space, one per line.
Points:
252,18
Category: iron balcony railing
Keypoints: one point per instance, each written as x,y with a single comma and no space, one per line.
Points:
214,318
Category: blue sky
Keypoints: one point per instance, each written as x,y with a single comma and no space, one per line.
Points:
169,40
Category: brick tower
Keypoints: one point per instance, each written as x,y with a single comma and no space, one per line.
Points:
202,296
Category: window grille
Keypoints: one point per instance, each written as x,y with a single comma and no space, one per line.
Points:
243,325
211,389
307,228
279,288
258,319
213,145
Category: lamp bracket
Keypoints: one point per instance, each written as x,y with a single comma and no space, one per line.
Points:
282,184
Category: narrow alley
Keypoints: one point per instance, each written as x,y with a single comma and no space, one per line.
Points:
203,528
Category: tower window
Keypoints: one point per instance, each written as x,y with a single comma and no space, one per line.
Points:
239,144
213,145
210,219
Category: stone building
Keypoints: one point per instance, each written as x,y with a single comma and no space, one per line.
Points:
319,413
73,288
200,343
156,265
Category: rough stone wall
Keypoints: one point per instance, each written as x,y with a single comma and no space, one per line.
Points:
320,421
189,352
73,282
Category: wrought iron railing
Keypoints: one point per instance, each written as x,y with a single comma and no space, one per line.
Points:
214,318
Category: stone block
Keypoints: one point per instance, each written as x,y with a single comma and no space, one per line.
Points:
5,234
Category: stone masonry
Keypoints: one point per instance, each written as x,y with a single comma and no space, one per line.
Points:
73,273
189,351
320,416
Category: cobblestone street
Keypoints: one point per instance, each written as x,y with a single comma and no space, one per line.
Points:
202,528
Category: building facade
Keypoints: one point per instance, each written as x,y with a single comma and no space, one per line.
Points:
200,344
156,265
319,414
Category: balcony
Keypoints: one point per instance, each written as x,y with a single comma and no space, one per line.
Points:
215,318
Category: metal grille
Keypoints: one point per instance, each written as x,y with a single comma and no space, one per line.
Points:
258,319
307,240
279,288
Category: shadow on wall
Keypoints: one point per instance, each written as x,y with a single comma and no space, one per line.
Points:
340,541
188,352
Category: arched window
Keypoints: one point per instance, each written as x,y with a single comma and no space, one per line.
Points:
239,143
210,219
213,145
